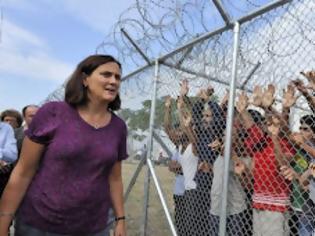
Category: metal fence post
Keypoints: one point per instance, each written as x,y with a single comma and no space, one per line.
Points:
228,141
149,152
145,202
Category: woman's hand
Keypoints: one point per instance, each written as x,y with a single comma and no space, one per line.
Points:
120,228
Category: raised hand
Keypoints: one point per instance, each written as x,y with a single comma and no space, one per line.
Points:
288,173
215,145
225,98
297,138
300,86
202,93
180,103
168,101
289,98
312,169
268,96
242,102
257,96
209,91
204,167
187,121
274,126
239,166
310,76
184,88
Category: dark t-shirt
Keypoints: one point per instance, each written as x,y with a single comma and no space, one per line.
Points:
70,192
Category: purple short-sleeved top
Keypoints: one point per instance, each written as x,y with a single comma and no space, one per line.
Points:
70,192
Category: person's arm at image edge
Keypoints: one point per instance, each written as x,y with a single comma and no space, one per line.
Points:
9,151
18,183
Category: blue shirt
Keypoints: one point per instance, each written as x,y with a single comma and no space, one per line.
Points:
8,149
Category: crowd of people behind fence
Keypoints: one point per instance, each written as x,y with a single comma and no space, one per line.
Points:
271,186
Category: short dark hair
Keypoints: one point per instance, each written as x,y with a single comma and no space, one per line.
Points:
257,117
309,120
13,113
76,93
24,108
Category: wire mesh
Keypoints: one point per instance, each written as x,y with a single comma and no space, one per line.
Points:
270,182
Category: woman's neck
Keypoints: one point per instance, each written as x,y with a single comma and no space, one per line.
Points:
95,114
95,109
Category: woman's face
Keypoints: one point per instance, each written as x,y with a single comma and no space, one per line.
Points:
307,132
103,84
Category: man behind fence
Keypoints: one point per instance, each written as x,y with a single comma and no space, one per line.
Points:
269,151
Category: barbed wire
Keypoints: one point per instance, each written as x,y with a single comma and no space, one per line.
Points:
159,26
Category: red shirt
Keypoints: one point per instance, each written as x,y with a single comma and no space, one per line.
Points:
271,190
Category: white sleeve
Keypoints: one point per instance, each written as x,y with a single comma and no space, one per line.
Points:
8,152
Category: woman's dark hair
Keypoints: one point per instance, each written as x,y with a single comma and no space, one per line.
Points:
309,120
76,93
13,113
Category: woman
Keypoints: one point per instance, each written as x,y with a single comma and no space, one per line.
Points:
69,171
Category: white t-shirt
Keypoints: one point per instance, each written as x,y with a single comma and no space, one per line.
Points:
189,163
236,202
179,184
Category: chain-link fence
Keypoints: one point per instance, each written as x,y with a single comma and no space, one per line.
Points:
222,130
242,169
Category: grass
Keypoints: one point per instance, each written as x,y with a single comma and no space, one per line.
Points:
157,223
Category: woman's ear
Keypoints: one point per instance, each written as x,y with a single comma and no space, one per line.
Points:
84,80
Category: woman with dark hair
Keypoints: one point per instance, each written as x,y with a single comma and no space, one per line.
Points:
69,171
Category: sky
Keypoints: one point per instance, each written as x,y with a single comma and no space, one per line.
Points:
41,42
